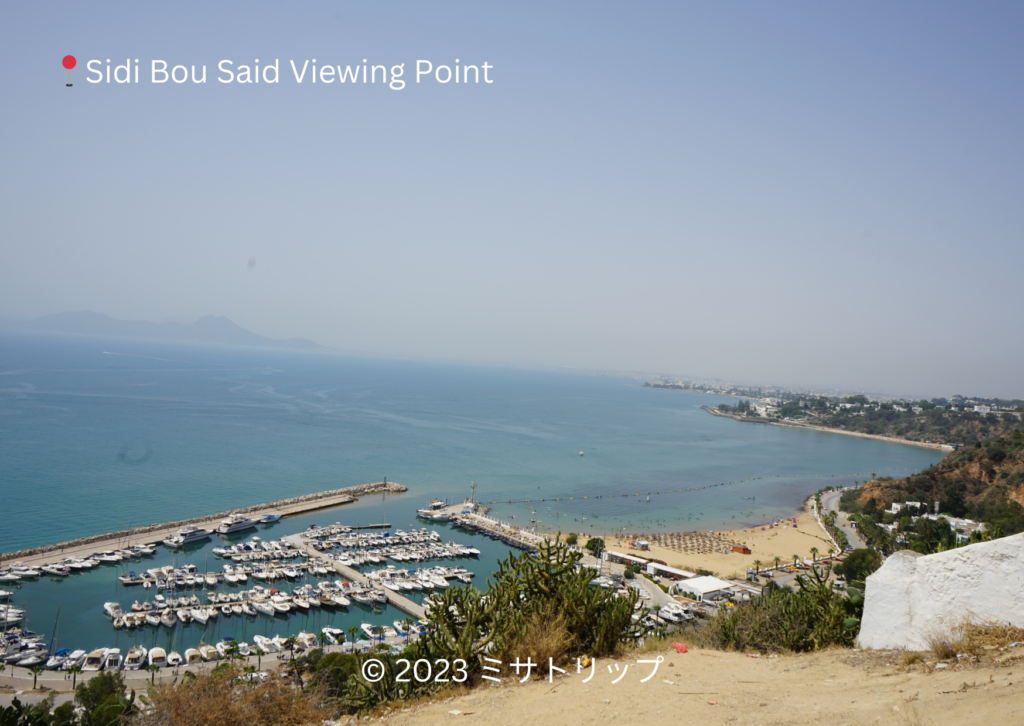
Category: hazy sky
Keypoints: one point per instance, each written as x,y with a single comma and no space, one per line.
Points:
803,192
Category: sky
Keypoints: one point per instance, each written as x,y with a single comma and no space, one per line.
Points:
801,193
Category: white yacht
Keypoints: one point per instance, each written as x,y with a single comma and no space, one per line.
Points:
187,535
235,523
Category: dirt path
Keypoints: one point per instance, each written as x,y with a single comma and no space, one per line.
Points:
709,687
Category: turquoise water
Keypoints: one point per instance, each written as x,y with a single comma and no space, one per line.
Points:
98,435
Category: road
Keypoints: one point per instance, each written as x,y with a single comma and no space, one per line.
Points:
830,502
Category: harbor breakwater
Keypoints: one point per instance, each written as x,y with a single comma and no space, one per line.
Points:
297,505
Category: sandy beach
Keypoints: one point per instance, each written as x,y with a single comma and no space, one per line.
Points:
784,541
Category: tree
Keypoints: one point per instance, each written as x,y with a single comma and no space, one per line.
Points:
757,566
75,670
571,538
102,698
596,546
777,561
796,558
153,670
814,553
259,658
353,635
36,670
859,564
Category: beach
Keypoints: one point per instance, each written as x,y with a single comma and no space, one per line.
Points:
765,543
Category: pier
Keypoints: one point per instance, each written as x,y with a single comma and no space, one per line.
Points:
404,604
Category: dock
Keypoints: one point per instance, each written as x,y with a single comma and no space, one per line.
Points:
154,534
404,604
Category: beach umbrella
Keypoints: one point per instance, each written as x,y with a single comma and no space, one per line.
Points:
69,62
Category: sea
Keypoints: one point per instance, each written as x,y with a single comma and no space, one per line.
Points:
99,435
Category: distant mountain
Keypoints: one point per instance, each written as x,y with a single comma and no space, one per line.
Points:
208,329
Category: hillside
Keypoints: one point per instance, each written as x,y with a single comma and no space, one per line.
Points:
932,425
984,482
713,687
208,329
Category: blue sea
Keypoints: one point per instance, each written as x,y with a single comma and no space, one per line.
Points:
98,435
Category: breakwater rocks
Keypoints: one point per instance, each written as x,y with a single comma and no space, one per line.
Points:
304,503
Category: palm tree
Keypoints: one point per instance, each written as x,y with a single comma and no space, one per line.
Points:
153,670
830,551
75,670
814,553
796,558
289,645
36,670
777,561
353,634
757,566
259,658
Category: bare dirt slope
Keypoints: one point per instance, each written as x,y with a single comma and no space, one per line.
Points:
710,687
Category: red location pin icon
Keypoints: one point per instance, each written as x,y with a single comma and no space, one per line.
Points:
69,63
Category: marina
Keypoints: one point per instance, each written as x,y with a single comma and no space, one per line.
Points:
243,587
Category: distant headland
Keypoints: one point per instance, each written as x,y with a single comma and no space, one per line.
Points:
209,329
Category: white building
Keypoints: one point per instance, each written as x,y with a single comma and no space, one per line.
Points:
707,587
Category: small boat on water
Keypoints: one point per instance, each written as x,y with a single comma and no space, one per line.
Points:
94,660
158,657
269,518
135,659
208,652
173,659
193,657
267,645
333,635
112,660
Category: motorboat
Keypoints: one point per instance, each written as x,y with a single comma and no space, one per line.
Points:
269,518
265,644
152,619
185,536
167,618
173,659
264,607
76,658
25,573
157,657
208,652
247,608
307,640
112,609
235,523
135,659
112,660
57,659
94,660
371,631
333,635
55,570
193,657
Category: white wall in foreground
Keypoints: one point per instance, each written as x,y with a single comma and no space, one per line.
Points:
913,595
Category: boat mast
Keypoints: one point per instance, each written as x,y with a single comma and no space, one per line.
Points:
53,644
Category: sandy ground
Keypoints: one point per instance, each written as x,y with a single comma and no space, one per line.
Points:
765,544
836,688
